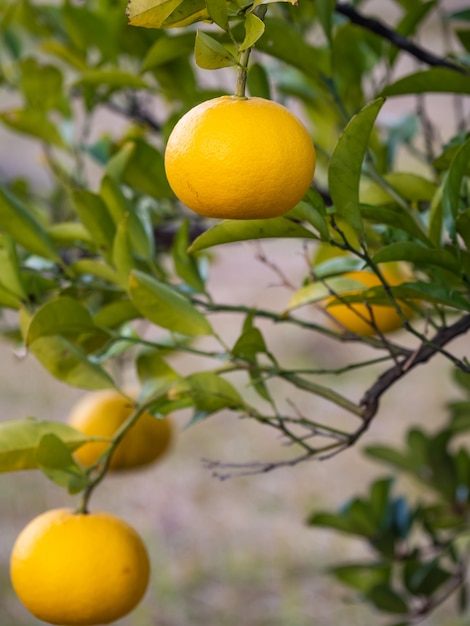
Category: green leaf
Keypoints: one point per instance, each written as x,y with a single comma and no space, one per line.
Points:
362,576
95,267
150,13
167,49
114,79
41,85
230,231
331,520
55,460
218,12
384,598
143,169
345,168
188,12
325,9
209,392
24,228
254,29
115,314
210,54
68,363
258,81
96,219
453,183
424,579
392,457
165,307
281,40
396,217
34,123
10,274
435,80
410,186
122,254
67,234
415,253
380,492
318,290
20,439
185,264
63,316
155,374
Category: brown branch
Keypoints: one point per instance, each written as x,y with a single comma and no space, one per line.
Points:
401,42
370,400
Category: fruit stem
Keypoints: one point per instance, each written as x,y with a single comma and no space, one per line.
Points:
242,74
105,459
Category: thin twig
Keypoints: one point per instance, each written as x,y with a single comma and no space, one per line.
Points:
395,38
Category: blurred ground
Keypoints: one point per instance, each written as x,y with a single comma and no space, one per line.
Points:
238,552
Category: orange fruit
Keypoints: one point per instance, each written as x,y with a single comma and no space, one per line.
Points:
101,413
366,320
79,569
239,158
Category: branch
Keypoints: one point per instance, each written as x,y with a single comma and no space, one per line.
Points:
370,400
380,29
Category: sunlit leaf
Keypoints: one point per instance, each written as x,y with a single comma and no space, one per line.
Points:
218,12
416,253
229,231
150,13
63,316
34,123
165,307
254,28
20,439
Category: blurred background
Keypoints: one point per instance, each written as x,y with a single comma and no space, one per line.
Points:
239,551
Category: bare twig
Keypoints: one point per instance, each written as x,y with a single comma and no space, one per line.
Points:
405,44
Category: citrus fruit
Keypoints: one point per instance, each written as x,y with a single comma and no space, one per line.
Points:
78,569
364,319
239,158
101,413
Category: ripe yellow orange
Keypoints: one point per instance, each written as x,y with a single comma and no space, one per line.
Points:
79,569
101,413
368,320
240,158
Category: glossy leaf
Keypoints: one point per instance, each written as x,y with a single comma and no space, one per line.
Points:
345,168
143,169
230,231
210,54
20,439
396,217
187,12
22,225
165,307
